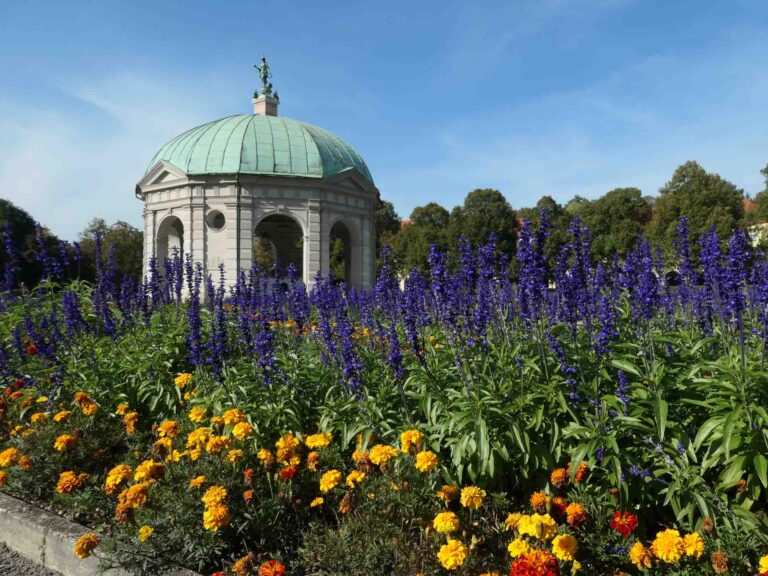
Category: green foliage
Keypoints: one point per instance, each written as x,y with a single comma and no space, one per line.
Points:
705,198
127,240
485,212
428,226
615,220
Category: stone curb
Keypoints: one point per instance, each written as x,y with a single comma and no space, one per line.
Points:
49,540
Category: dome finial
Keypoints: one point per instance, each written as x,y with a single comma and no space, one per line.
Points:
265,104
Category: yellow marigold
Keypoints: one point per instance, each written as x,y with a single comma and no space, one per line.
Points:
452,554
316,441
214,495
116,476
330,480
217,444
763,564
313,461
448,493
517,547
242,430
39,417
381,454
197,482
217,420
319,501
286,448
145,532
70,481
129,422
559,477
198,438
446,522
693,545
194,454
175,456
354,478
26,462
564,547
135,496
541,526
511,521
539,501
426,461
197,414
82,397
62,443
641,556
472,497
122,408
9,456
3,478
235,455
359,456
86,544
162,446
183,379
215,517
62,416
233,416
149,470
410,439
169,429
265,457
668,546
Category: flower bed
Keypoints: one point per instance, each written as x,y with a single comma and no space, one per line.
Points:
466,424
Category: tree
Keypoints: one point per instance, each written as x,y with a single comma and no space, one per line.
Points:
559,220
485,211
428,225
576,205
760,213
615,220
128,242
387,224
22,231
705,198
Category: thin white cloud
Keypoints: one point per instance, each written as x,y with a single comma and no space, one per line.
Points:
66,171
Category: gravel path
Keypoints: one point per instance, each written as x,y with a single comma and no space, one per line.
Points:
11,564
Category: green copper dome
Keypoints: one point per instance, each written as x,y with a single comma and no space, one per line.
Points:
256,144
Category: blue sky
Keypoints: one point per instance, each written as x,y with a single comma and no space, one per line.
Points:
557,97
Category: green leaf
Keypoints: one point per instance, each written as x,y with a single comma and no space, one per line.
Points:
761,467
660,409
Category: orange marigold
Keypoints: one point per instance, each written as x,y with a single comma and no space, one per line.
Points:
272,568
575,514
86,544
539,501
559,477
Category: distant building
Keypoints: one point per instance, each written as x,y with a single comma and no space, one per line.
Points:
220,192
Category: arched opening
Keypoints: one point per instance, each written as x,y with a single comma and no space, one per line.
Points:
170,235
280,238
340,253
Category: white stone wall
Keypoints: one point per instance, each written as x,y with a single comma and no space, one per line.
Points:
316,205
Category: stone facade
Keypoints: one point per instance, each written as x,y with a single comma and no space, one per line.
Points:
215,219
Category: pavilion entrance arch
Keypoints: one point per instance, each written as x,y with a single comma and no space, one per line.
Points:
279,237
345,253
169,239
